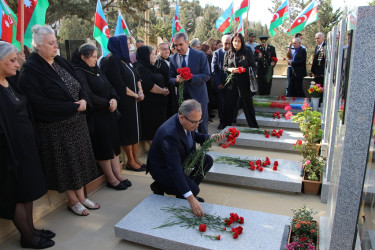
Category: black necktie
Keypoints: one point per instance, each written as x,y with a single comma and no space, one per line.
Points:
183,64
190,139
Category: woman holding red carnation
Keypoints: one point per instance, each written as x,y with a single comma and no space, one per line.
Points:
239,86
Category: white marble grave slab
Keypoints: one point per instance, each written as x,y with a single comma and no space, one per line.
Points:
285,142
260,230
269,122
287,178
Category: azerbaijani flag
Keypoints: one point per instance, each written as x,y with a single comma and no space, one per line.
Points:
278,18
240,26
308,15
176,26
244,7
224,22
352,21
8,28
34,13
101,31
121,27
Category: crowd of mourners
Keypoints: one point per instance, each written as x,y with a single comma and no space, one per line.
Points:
61,121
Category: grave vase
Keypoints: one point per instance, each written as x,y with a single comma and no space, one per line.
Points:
315,103
291,234
310,187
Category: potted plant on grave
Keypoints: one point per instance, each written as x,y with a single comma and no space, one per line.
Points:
310,124
316,91
304,231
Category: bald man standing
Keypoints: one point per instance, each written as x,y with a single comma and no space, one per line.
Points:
298,63
318,65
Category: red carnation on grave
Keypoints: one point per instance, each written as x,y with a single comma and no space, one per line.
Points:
235,235
288,108
260,169
218,237
242,220
280,132
251,163
267,135
202,228
274,168
225,145
258,162
276,163
252,167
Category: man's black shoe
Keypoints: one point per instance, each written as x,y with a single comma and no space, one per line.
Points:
221,126
155,188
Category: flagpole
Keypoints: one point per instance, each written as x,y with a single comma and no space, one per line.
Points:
22,23
290,22
247,21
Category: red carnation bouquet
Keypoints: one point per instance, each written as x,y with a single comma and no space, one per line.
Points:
229,78
187,75
274,59
198,156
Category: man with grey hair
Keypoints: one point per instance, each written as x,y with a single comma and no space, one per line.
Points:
219,76
195,44
298,63
133,56
195,88
173,142
318,65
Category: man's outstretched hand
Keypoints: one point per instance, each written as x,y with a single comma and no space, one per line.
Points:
195,206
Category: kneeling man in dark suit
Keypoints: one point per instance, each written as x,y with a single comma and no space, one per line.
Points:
173,142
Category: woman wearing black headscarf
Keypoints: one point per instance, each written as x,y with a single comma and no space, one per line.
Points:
239,86
120,73
154,107
101,118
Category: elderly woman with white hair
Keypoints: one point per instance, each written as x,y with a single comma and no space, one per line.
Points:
21,175
58,101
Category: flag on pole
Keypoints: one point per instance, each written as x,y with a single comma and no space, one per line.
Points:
244,7
307,16
34,13
8,28
240,26
101,31
176,26
121,27
352,21
224,22
278,18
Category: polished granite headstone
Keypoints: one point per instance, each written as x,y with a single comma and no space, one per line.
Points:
353,136
260,230
269,122
285,142
287,178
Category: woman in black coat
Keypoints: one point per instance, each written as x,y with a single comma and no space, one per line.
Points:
122,76
154,106
21,176
58,101
239,86
101,118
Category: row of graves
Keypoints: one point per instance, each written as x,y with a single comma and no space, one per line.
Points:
346,183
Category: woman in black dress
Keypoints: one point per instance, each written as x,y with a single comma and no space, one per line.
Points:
239,86
154,106
58,101
101,118
21,176
122,76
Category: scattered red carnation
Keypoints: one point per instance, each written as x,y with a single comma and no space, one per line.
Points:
203,228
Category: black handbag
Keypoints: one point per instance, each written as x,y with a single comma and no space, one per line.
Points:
253,80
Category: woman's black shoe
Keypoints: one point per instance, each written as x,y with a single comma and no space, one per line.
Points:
120,186
142,168
127,183
46,233
41,243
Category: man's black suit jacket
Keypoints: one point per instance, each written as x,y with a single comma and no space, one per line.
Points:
168,151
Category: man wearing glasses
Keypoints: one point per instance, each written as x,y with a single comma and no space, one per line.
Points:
173,142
